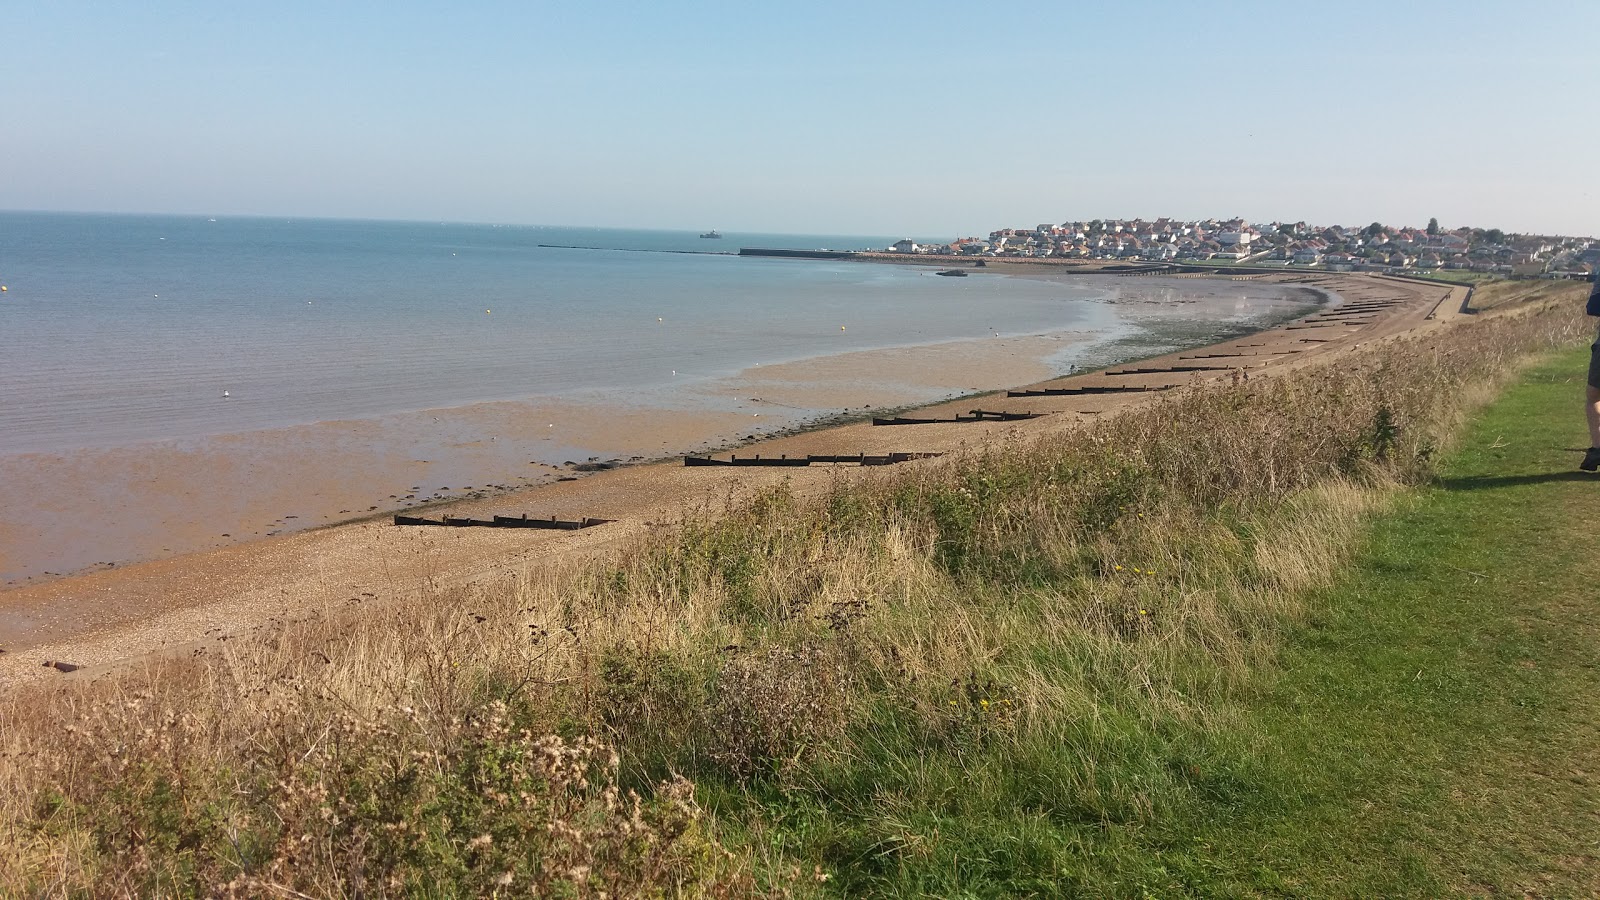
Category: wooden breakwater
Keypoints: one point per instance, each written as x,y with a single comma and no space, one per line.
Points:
860,459
521,521
1092,389
978,415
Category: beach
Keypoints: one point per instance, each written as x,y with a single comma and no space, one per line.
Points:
186,601
174,388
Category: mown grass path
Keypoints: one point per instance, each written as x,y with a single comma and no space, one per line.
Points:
1434,729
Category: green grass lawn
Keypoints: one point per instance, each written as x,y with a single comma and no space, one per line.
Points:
1435,728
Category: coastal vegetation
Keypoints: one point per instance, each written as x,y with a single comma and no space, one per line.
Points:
1045,668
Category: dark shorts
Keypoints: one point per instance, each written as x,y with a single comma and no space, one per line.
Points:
1594,365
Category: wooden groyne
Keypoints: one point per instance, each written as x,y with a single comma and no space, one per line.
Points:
1096,389
521,521
1165,370
1235,355
977,415
860,459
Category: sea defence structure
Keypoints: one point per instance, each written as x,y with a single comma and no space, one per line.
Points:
798,254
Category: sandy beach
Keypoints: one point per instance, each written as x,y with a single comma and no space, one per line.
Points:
99,507
161,499
260,557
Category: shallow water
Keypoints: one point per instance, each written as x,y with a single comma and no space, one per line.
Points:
123,329
374,365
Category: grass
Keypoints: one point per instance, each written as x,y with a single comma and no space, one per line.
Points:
1436,724
1509,292
1462,276
1033,669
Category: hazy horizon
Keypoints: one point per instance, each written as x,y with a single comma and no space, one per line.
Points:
689,229
940,120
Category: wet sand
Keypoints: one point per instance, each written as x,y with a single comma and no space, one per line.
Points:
207,590
100,508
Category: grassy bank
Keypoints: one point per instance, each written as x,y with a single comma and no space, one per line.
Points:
1434,728
1507,292
1021,670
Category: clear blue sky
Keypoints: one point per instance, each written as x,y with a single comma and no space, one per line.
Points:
926,118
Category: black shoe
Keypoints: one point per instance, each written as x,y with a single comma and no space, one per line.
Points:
1591,460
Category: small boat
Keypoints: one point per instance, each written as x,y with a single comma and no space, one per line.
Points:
951,273
712,234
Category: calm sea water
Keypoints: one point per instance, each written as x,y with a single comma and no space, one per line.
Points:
123,329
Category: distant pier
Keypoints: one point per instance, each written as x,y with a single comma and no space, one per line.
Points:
798,254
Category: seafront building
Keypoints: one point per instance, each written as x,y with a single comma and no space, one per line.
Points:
1371,248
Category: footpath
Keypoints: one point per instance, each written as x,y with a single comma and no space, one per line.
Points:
1434,729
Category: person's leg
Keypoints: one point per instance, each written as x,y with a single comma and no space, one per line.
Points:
1591,409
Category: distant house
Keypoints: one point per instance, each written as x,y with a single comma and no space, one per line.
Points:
905,246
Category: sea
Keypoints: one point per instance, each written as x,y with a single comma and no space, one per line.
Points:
119,329
136,349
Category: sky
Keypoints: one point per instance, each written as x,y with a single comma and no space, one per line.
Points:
931,119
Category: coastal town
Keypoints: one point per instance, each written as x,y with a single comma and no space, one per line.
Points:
1371,248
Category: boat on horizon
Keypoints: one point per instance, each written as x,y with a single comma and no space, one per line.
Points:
712,234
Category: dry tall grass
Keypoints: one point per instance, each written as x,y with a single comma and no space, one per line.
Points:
1508,292
535,735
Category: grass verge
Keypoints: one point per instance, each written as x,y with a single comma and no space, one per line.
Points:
1435,729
